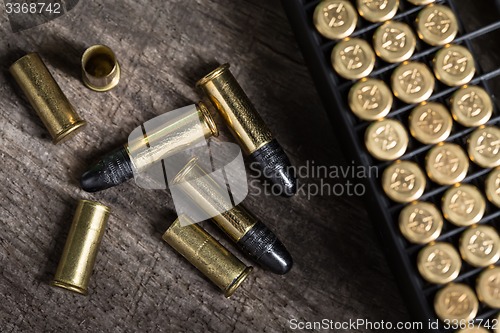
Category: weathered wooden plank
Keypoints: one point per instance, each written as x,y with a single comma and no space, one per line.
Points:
139,283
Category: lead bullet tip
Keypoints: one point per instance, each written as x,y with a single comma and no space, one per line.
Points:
262,245
276,167
111,170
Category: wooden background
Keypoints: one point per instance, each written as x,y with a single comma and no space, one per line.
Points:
139,283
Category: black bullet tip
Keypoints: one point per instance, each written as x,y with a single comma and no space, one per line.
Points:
111,170
262,245
276,167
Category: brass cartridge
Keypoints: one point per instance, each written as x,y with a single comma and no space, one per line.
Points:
172,137
205,253
250,234
100,69
167,138
235,107
46,97
84,238
248,128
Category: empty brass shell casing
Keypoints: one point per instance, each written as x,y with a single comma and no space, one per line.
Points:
84,238
255,139
100,69
208,255
46,97
251,235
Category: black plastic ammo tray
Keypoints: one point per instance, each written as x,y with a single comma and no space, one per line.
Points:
333,90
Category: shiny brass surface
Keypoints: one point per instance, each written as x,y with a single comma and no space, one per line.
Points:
484,146
205,253
210,197
420,222
236,109
335,19
171,138
430,122
492,187
439,263
488,287
437,25
100,69
353,58
446,163
394,41
420,2
84,238
376,10
412,82
480,245
456,301
403,181
386,139
370,99
454,65
471,106
463,205
46,97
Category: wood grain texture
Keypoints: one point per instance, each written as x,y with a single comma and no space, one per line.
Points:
139,283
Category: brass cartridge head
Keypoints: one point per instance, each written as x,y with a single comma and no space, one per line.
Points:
456,301
439,263
335,19
46,97
205,253
420,222
471,106
463,205
82,245
436,25
100,69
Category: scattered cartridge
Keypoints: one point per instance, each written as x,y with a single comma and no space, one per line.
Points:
82,245
150,146
46,97
251,235
205,253
248,128
100,69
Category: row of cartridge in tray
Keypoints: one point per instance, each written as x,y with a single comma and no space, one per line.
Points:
430,123
169,136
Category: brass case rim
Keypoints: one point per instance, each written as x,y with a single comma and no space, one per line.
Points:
70,287
115,72
213,74
237,282
185,170
209,119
